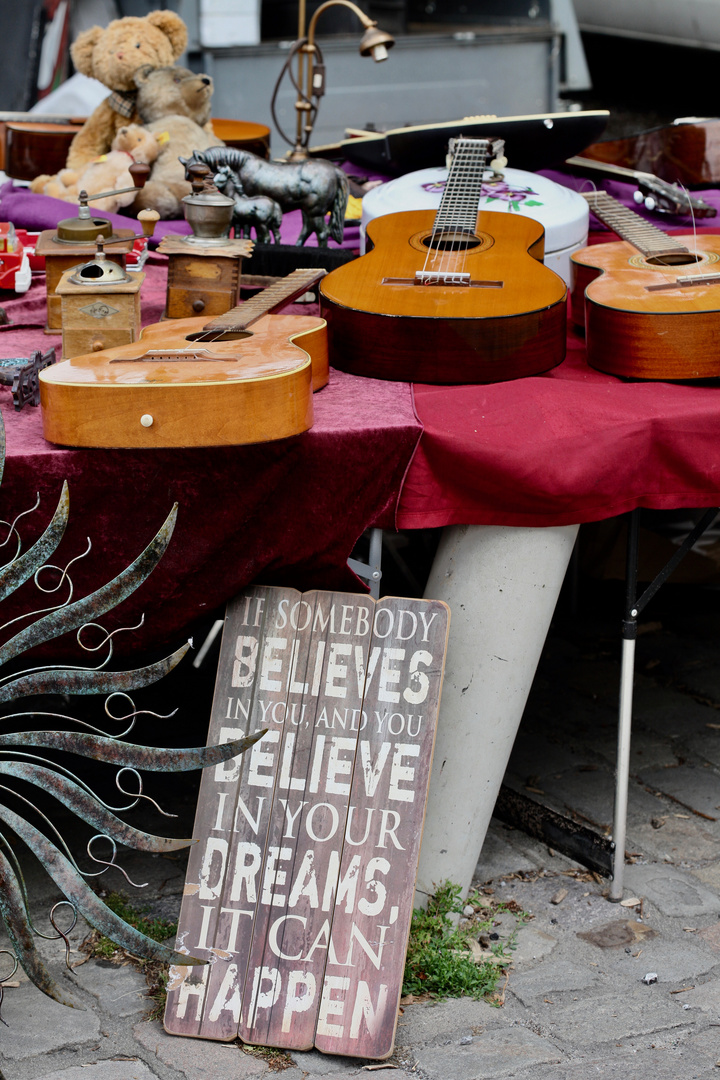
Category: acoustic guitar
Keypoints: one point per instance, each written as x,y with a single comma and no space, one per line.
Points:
186,382
452,297
650,302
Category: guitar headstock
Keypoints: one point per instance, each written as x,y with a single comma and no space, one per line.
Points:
490,153
659,195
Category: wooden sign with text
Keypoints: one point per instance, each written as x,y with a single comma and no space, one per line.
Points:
299,891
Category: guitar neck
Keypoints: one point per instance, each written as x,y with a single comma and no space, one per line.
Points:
628,225
461,197
275,297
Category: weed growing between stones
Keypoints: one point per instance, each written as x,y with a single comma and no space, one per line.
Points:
98,946
447,959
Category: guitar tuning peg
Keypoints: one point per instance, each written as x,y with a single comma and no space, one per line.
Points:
498,163
650,203
638,197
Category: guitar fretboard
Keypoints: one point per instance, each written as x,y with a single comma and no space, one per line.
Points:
272,298
461,197
643,235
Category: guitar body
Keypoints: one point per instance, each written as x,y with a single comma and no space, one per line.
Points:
638,331
508,323
256,387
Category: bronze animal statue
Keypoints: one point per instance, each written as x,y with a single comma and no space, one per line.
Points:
315,187
258,212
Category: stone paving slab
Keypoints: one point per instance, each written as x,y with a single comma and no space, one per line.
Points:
37,1025
104,1070
671,891
497,1053
121,991
695,786
681,838
623,1014
202,1059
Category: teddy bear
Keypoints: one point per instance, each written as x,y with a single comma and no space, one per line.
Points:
113,55
174,104
131,144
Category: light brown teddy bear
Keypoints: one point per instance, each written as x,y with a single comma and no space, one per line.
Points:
111,171
113,55
174,103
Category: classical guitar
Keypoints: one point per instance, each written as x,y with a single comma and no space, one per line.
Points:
650,302
452,297
187,382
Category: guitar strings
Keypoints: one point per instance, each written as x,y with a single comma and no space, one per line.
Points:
459,204
692,215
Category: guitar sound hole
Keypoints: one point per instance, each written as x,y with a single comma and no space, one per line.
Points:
226,335
677,258
452,240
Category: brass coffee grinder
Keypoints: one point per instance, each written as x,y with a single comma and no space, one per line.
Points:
100,301
204,269
74,241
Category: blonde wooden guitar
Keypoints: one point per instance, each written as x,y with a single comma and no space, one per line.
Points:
453,297
191,383
650,302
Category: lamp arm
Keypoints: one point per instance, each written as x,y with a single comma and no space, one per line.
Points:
367,22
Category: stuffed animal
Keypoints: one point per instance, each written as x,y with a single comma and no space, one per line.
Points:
113,55
109,172
174,103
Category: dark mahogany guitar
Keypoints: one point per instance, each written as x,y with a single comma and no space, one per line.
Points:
650,302
456,297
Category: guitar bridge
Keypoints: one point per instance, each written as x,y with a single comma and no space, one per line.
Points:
686,281
441,277
448,280
169,356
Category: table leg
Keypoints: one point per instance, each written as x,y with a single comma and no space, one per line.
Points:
502,585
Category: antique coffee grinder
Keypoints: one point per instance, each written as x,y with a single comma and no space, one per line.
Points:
74,240
204,269
100,301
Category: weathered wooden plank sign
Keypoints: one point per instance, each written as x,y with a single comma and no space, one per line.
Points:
299,891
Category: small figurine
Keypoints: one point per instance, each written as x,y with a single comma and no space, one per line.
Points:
21,376
316,187
259,212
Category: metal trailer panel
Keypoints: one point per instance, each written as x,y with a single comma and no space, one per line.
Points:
427,78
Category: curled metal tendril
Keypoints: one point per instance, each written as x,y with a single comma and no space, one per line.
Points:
64,576
64,934
139,794
109,634
13,531
5,979
63,572
107,864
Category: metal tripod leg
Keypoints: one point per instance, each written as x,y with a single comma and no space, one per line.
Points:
633,607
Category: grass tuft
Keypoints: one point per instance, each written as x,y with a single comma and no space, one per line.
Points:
99,946
440,961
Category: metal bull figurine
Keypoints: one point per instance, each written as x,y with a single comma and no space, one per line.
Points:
315,187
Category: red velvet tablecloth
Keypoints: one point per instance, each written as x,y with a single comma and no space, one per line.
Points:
573,445
570,446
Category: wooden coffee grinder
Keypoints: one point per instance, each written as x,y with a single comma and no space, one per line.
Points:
204,269
73,241
100,301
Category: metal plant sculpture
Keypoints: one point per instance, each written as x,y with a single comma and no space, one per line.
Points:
18,762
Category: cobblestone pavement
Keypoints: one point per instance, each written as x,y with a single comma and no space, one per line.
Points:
575,1003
